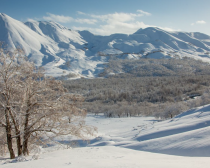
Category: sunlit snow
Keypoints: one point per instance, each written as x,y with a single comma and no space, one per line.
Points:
183,141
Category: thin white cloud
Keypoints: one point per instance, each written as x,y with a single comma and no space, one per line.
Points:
144,13
120,27
122,17
116,22
58,18
199,22
126,23
31,20
87,21
67,19
81,13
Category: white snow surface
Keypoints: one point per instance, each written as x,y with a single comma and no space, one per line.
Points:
183,141
47,43
109,157
187,134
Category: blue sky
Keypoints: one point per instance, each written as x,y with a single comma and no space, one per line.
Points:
114,16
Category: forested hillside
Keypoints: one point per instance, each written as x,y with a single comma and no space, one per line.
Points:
142,89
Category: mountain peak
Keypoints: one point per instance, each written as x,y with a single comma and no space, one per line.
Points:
2,14
147,29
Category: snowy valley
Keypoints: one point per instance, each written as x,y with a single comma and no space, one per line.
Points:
148,96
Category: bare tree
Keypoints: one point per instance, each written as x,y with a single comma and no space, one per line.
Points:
8,92
33,105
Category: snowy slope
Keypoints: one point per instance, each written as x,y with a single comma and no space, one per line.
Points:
71,48
17,35
188,134
51,45
133,142
56,32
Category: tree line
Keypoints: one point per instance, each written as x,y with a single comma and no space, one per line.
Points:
155,67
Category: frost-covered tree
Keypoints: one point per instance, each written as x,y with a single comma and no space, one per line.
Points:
34,106
9,82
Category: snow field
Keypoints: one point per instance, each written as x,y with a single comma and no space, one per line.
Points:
134,142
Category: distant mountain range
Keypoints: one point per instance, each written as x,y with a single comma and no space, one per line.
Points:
62,51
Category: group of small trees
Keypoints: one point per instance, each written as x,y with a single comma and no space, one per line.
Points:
33,106
155,67
162,97
125,109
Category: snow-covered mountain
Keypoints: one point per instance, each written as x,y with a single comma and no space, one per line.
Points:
16,34
54,46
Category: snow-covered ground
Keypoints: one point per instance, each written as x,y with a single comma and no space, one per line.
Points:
109,157
183,141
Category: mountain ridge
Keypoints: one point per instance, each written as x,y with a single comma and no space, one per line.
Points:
52,45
